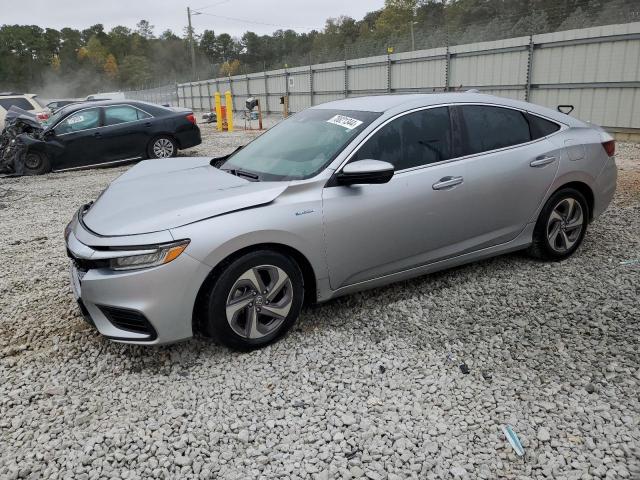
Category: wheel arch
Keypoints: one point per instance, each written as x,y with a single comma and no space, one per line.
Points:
308,276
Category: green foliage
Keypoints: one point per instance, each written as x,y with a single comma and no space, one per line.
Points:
135,71
73,62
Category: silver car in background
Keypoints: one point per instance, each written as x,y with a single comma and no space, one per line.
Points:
341,197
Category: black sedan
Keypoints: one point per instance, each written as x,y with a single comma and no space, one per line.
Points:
81,135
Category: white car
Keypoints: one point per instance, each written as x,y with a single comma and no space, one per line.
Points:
106,96
25,101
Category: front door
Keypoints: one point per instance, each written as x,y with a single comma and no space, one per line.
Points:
80,138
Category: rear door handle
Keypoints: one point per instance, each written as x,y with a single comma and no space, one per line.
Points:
447,182
97,134
542,160
148,124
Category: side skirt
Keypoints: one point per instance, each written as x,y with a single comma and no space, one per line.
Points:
520,242
83,167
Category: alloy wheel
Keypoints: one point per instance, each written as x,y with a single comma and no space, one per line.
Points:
163,148
565,224
259,301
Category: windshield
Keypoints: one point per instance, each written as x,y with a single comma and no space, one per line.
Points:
300,146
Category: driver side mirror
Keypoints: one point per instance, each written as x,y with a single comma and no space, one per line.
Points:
49,134
365,172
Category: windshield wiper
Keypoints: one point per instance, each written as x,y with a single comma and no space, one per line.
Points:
242,173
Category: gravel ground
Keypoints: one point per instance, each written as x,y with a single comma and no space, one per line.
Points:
368,385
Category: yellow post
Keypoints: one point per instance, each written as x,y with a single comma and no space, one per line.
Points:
218,111
229,104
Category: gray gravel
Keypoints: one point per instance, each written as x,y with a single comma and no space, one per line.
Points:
367,386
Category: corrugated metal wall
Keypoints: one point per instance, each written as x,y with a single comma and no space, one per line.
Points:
595,69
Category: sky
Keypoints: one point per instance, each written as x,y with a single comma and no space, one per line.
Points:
266,15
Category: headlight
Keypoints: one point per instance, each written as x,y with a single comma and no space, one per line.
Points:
152,256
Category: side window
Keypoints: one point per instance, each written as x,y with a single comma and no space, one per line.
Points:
540,127
81,120
490,128
122,114
22,103
415,139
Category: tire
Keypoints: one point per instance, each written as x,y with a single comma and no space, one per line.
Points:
234,300
163,146
36,163
561,226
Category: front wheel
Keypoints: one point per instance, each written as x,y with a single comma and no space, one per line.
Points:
561,225
36,163
255,300
162,147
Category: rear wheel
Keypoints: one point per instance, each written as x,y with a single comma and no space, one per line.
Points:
36,163
162,147
255,300
561,225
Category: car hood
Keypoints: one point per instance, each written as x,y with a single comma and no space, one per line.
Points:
162,194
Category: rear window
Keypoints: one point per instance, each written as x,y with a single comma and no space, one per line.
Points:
38,102
540,127
22,103
490,128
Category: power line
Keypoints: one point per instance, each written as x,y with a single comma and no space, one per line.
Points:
255,22
211,5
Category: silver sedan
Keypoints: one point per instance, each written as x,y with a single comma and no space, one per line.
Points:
341,197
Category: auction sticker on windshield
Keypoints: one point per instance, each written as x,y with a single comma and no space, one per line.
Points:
344,121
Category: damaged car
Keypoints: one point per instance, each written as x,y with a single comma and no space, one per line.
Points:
341,197
84,135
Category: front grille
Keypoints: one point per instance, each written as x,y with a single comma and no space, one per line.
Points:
129,320
85,265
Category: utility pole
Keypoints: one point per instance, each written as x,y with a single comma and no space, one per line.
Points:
413,38
191,45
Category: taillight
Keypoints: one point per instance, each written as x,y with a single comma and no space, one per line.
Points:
609,147
192,118
42,116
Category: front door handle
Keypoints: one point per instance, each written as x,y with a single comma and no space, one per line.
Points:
542,160
447,182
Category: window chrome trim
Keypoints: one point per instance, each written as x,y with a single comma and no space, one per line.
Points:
103,126
563,126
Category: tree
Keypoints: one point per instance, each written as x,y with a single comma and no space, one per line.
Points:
144,29
110,67
135,71
225,47
230,68
96,52
208,45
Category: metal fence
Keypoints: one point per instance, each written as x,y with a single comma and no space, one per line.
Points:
595,69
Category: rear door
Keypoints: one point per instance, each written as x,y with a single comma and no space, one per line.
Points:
507,171
126,132
80,139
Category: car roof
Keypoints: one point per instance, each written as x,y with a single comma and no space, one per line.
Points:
396,103
102,103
